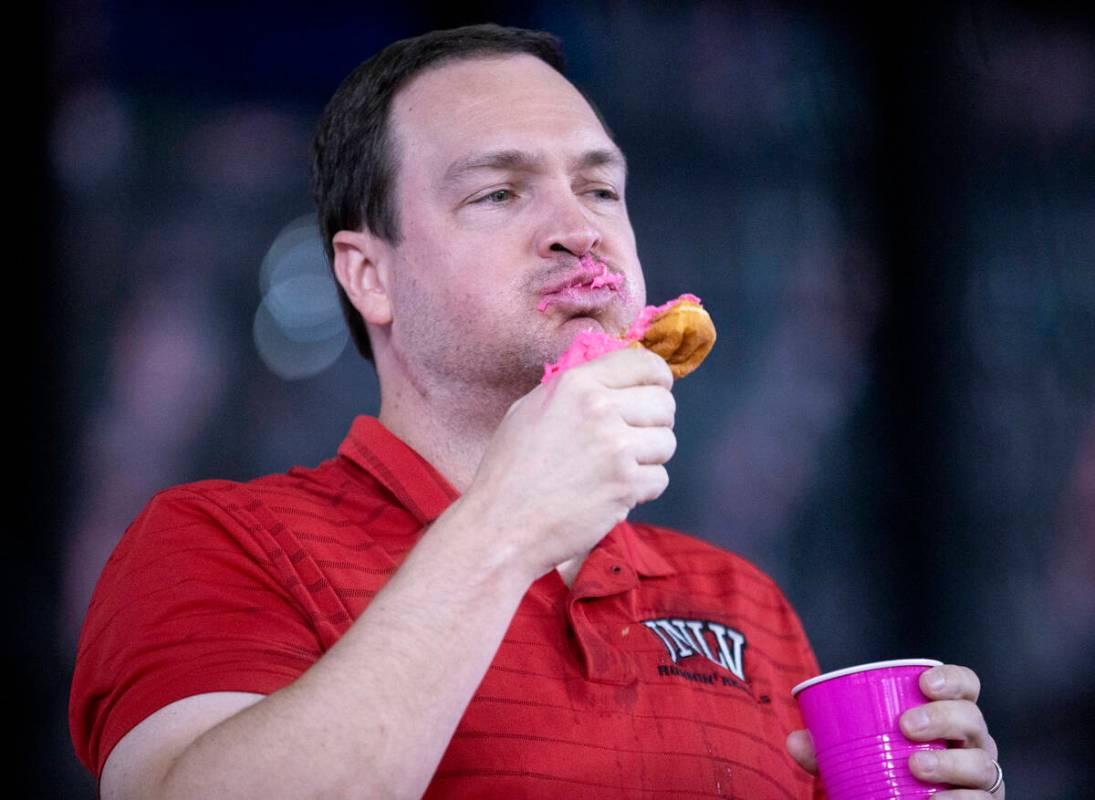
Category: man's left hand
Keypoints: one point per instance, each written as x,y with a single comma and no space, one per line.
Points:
952,715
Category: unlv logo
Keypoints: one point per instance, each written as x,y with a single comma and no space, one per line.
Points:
699,637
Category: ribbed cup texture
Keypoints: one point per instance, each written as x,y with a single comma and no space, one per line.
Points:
861,751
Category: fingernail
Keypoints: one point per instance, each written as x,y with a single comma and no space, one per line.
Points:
927,761
936,681
917,720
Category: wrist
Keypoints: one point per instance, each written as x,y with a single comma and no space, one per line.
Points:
488,541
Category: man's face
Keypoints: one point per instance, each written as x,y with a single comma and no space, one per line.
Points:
505,178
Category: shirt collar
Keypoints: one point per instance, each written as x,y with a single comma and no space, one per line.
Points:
634,549
425,492
420,488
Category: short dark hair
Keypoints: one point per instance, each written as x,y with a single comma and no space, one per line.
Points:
353,168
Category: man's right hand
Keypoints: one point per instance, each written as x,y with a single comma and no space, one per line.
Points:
574,456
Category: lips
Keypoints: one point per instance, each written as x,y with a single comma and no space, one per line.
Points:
589,285
578,298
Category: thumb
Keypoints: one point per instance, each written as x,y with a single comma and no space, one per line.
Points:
801,747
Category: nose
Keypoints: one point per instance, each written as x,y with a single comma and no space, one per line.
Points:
567,228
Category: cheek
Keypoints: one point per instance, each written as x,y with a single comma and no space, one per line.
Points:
446,308
638,292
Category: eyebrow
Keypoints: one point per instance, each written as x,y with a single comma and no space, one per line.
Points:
521,161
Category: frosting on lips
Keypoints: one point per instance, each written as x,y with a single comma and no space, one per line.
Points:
589,345
599,280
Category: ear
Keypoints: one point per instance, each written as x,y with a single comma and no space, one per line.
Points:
361,268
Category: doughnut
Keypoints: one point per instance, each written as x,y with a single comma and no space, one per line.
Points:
679,331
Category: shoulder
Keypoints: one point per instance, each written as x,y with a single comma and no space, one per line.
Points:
327,491
305,484
208,528
202,511
272,524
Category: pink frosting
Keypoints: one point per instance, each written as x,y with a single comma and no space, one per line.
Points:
647,316
604,277
588,345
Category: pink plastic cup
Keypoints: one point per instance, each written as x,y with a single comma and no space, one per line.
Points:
852,715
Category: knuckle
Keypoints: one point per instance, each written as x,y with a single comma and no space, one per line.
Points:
658,483
974,682
990,746
962,680
670,445
638,489
623,466
933,714
929,764
946,763
595,405
619,448
988,770
952,677
921,720
667,405
667,373
971,711
978,716
658,364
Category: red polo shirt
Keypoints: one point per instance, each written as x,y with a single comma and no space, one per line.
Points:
665,670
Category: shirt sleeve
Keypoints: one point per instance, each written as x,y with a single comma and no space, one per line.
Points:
188,603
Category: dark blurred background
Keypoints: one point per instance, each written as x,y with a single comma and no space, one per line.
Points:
890,215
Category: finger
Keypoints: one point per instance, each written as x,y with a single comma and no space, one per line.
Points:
970,768
646,406
629,367
954,720
950,682
653,445
650,482
801,747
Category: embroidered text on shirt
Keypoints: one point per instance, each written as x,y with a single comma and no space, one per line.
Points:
686,637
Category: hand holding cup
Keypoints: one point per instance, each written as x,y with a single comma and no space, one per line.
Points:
945,712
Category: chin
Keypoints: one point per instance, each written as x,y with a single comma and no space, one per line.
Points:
577,324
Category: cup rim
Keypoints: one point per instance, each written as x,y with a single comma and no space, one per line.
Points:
840,673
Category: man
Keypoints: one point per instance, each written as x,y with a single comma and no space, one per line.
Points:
456,605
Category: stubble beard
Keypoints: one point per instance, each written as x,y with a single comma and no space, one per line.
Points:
471,366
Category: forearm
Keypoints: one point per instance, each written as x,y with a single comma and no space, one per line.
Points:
372,717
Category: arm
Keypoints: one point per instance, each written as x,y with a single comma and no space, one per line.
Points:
953,715
374,715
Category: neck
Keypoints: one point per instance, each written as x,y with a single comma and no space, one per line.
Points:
450,429
448,415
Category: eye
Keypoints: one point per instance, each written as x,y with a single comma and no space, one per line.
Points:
496,197
605,194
